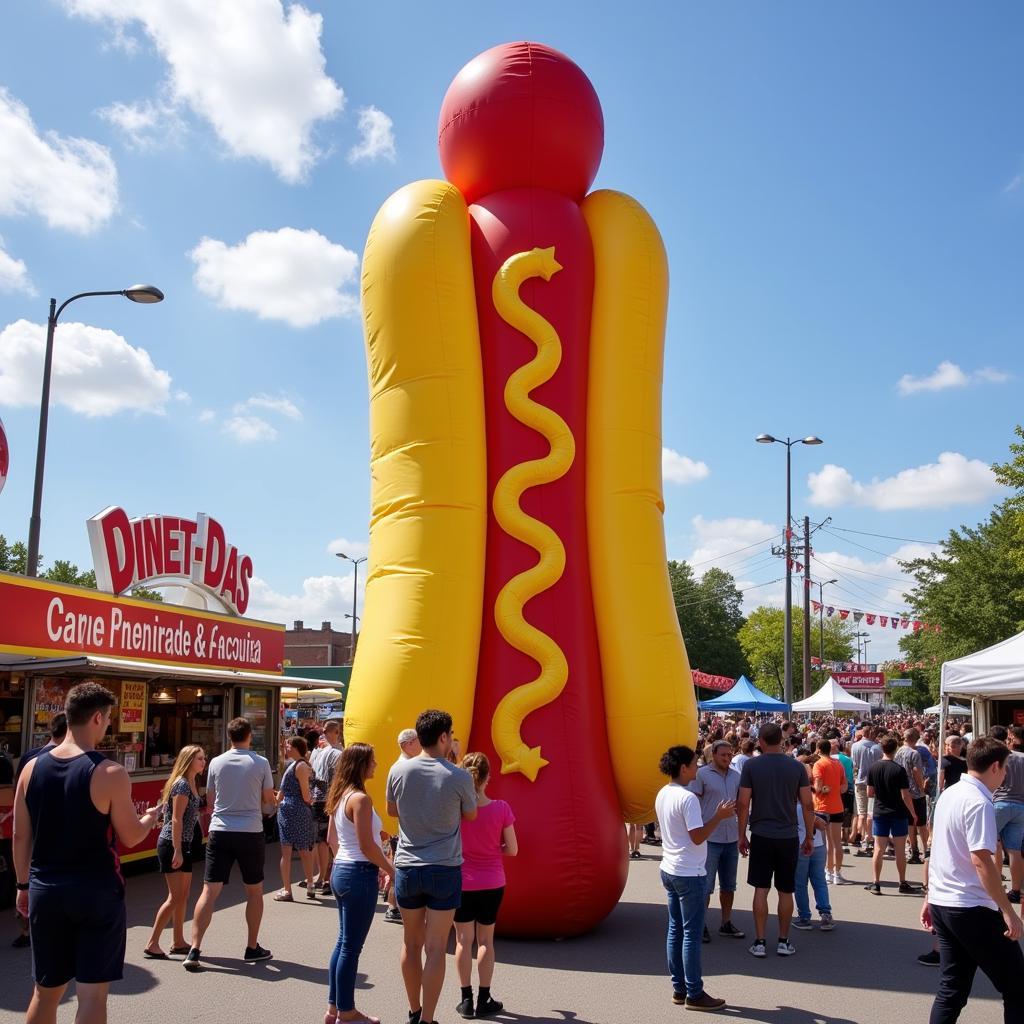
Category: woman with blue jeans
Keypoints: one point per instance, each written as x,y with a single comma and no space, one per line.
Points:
355,830
812,869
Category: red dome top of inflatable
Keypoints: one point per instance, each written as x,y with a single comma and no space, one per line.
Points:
521,115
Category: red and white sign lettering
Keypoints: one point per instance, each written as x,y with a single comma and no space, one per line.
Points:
127,552
42,618
860,680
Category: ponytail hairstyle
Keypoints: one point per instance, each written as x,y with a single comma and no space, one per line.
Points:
182,763
478,766
349,773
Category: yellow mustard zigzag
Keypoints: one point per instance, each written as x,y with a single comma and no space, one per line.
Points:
507,723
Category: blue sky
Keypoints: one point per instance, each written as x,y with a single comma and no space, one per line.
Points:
841,192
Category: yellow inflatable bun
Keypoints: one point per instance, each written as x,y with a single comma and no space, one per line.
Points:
420,636
648,691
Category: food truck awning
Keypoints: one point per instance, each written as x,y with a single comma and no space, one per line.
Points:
152,670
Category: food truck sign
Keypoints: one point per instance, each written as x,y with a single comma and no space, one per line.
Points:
55,619
193,553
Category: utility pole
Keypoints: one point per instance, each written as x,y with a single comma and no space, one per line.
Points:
807,607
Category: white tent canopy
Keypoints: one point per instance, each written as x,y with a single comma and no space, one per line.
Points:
954,709
831,697
997,671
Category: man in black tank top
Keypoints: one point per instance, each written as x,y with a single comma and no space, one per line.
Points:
69,805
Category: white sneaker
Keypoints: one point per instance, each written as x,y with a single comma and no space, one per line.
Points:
757,949
785,948
837,879
829,880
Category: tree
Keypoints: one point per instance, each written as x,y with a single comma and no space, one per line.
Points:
1011,474
972,589
14,558
710,613
763,639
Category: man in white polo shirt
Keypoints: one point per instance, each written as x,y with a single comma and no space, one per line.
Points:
966,905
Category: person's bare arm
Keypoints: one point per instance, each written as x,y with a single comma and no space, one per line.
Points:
908,800
393,808
112,788
361,808
742,813
509,841
178,805
807,805
726,809
919,780
989,876
22,842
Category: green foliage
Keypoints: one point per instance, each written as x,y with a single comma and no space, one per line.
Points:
973,589
1011,474
14,558
763,639
710,614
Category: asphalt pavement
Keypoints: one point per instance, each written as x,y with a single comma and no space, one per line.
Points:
864,971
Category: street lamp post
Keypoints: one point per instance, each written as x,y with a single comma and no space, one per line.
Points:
788,533
866,642
857,636
356,562
144,293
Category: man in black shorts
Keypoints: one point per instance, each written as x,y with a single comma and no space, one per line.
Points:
776,783
69,805
238,783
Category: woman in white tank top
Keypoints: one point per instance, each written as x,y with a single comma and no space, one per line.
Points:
355,831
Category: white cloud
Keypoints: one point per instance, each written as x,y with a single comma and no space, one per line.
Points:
953,480
182,396
342,545
299,277
95,371
323,599
145,124
280,405
207,416
681,469
251,68
249,429
70,182
1015,183
376,137
14,274
949,375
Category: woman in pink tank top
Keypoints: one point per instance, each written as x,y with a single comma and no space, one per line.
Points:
489,837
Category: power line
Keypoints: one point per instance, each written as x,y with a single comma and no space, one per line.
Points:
718,597
864,547
885,536
866,572
726,554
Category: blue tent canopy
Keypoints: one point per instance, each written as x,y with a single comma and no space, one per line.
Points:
744,696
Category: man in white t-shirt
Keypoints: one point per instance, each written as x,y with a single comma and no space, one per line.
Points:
683,853
966,904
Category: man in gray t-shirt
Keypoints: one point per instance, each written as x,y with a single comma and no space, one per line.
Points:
238,783
908,758
430,797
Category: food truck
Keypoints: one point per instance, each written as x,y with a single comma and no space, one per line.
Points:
179,673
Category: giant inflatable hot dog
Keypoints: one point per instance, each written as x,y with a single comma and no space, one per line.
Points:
518,579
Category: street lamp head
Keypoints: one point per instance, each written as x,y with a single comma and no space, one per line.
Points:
827,582
341,554
765,439
812,439
144,293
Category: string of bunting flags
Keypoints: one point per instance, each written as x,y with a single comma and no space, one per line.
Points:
870,618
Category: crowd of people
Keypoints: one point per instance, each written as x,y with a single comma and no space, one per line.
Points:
790,799
807,795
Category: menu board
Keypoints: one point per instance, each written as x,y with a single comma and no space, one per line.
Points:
131,711
47,701
255,707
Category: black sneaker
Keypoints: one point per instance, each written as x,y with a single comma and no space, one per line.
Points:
679,998
731,930
393,914
488,1006
1013,895
255,953
706,937
906,889
23,941
875,889
465,1008
915,858
191,961
930,959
